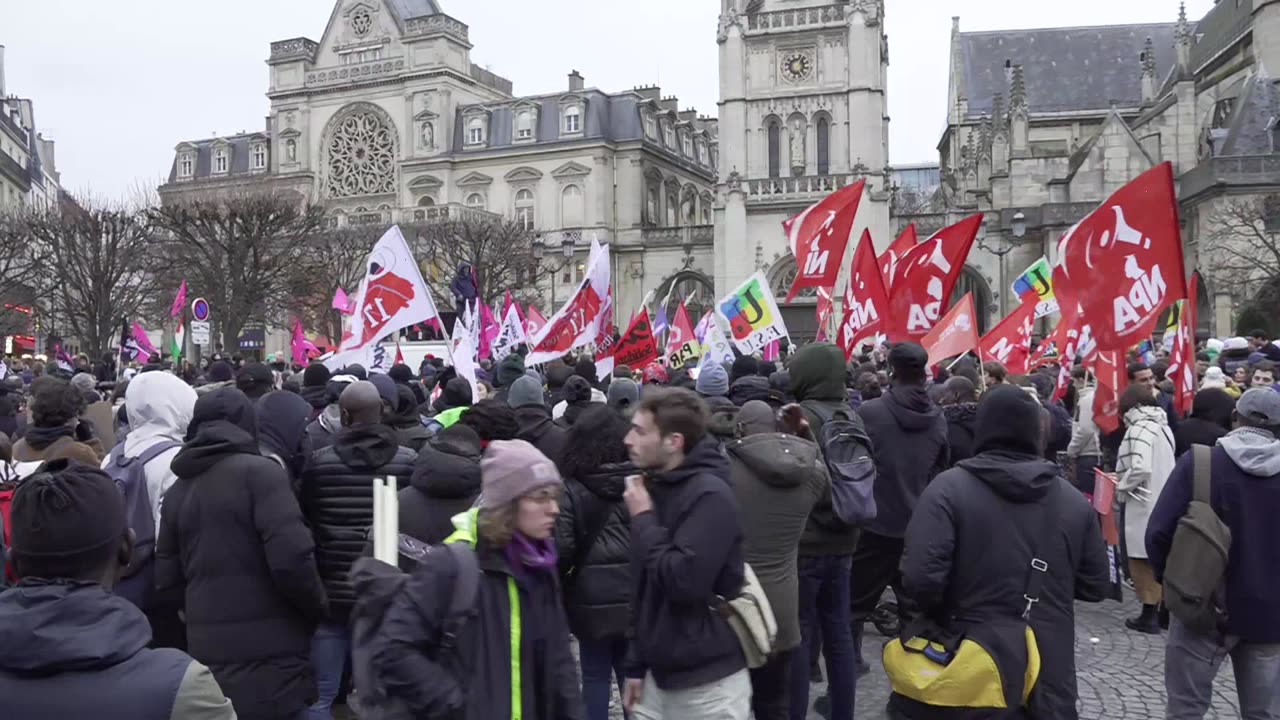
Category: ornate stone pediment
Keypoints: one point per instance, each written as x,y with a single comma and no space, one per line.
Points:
523,174
570,170
475,179
425,182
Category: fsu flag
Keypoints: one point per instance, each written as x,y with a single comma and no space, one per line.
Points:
819,235
925,278
1009,343
577,323
682,344
1123,263
956,334
392,296
898,250
637,347
865,300
1182,359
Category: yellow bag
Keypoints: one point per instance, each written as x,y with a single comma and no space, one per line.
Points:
953,673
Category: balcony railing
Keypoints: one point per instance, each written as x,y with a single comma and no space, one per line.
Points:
294,49
798,17
1243,170
677,236
14,171
796,188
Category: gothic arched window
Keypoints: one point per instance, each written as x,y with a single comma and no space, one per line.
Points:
824,146
775,149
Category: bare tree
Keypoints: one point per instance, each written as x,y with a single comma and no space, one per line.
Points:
338,257
96,268
500,250
17,275
245,253
1242,251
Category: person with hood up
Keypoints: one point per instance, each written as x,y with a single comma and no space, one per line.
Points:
454,400
593,539
320,431
745,382
508,371
557,374
405,420
713,387
1245,495
534,419
578,396
969,547
909,434
282,431
218,375
463,287
234,547
337,499
445,482
1211,418
314,380
69,647
159,406
1143,463
56,430
623,395
777,479
1235,355
959,401
517,606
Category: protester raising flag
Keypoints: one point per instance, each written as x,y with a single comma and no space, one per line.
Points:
898,250
1009,343
865,300
924,279
1182,359
392,296
179,301
752,315
956,334
577,323
682,345
819,236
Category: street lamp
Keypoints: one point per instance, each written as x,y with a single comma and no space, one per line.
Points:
539,247
1000,253
1019,225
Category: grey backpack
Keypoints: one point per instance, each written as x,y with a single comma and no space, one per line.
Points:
1197,563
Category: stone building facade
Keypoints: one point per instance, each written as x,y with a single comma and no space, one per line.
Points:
28,175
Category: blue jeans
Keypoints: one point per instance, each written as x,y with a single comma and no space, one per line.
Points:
1192,661
601,662
824,608
330,647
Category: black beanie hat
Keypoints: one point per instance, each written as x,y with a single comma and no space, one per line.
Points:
65,519
402,374
316,375
577,390
744,366
220,371
1009,419
357,371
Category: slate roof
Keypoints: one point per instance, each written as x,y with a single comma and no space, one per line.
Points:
1219,28
407,9
1066,69
241,153
1256,112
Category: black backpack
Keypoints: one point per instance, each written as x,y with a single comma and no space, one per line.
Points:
1197,562
850,458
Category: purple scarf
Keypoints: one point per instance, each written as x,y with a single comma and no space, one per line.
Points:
525,555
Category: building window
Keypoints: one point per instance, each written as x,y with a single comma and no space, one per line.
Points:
775,150
361,156
580,272
706,212
571,206
524,125
259,157
185,165
475,131
361,23
689,209
475,200
651,206
573,119
669,135
524,209
673,211
220,160
686,145
702,153
650,126
824,146
426,201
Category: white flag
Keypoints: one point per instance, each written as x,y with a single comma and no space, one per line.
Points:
392,296
510,335
715,346
464,361
577,323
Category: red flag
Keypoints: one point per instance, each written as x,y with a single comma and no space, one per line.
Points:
956,334
1182,361
489,330
637,347
925,277
898,250
772,352
534,321
825,308
865,300
507,303
819,236
399,354
1123,262
680,334
1009,343
1109,370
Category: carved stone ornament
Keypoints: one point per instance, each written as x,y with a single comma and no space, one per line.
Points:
728,20
360,155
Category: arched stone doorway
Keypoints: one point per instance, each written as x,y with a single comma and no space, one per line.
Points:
690,287
801,314
971,281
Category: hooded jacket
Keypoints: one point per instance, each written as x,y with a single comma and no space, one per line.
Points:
1245,494
410,432
961,421
539,430
233,544
70,649
684,553
1210,419
337,499
911,448
283,418
745,389
317,396
596,579
777,480
1143,465
445,482
967,549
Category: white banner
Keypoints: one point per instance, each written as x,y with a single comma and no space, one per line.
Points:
392,295
715,346
578,322
510,335
373,357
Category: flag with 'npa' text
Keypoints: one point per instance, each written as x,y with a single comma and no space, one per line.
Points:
1009,343
819,236
865,299
925,278
898,250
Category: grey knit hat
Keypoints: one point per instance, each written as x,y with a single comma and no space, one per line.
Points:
525,391
511,469
713,381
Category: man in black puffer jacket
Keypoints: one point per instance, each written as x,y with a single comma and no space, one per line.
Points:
445,482
337,497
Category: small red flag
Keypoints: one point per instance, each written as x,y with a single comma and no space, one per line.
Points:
925,277
956,334
1182,360
1009,343
898,250
637,347
1109,370
865,300
819,237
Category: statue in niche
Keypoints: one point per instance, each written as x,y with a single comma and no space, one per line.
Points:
428,135
797,148
291,150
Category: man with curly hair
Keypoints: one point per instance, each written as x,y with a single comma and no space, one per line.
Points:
56,431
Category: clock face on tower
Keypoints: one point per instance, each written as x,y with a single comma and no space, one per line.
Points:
796,66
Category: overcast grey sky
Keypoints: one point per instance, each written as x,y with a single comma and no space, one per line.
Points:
118,84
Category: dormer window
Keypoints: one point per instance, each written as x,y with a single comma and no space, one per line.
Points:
669,135
220,160
650,126
573,119
524,125
186,165
475,131
686,145
259,156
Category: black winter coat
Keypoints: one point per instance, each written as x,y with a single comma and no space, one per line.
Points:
1210,419
752,387
962,421
967,552
684,553
911,448
233,543
337,498
596,579
480,689
445,482
539,430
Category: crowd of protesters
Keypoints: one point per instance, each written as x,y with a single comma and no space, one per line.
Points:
195,543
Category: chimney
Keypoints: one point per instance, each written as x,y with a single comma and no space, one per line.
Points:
1,72
575,81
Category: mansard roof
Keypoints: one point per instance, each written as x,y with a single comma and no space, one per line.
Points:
408,9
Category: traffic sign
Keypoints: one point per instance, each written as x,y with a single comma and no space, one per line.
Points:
200,330
200,309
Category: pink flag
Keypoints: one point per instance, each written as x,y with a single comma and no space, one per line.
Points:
772,351
179,301
342,303
301,345
489,330
144,343
507,303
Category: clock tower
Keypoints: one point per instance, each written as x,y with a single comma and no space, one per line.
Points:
803,112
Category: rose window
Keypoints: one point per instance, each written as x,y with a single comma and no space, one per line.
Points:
361,157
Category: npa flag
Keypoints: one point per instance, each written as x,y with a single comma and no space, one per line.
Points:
865,299
1009,343
1182,359
577,323
303,348
898,250
956,334
682,344
1110,372
925,278
1123,263
819,236
179,301
1035,285
1078,345
534,322
637,347
825,308
392,295
751,313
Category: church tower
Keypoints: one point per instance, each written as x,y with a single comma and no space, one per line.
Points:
803,112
